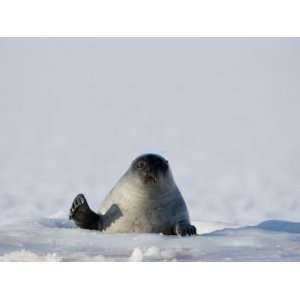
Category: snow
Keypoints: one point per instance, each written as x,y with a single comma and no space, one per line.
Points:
136,255
224,112
59,240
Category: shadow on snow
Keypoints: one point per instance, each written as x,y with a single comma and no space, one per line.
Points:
269,225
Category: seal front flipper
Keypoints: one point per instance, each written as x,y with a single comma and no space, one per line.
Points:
83,216
183,228
111,216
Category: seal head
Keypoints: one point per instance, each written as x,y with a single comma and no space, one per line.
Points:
150,168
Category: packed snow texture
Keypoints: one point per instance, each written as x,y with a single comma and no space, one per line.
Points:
224,112
58,240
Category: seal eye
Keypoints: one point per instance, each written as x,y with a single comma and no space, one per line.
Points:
140,164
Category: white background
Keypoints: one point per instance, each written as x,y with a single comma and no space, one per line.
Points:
145,18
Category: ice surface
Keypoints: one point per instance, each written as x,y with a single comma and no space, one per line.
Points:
58,240
224,112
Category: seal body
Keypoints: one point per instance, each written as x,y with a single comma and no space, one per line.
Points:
145,200
145,210
146,206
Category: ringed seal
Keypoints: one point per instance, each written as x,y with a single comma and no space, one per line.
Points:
146,199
